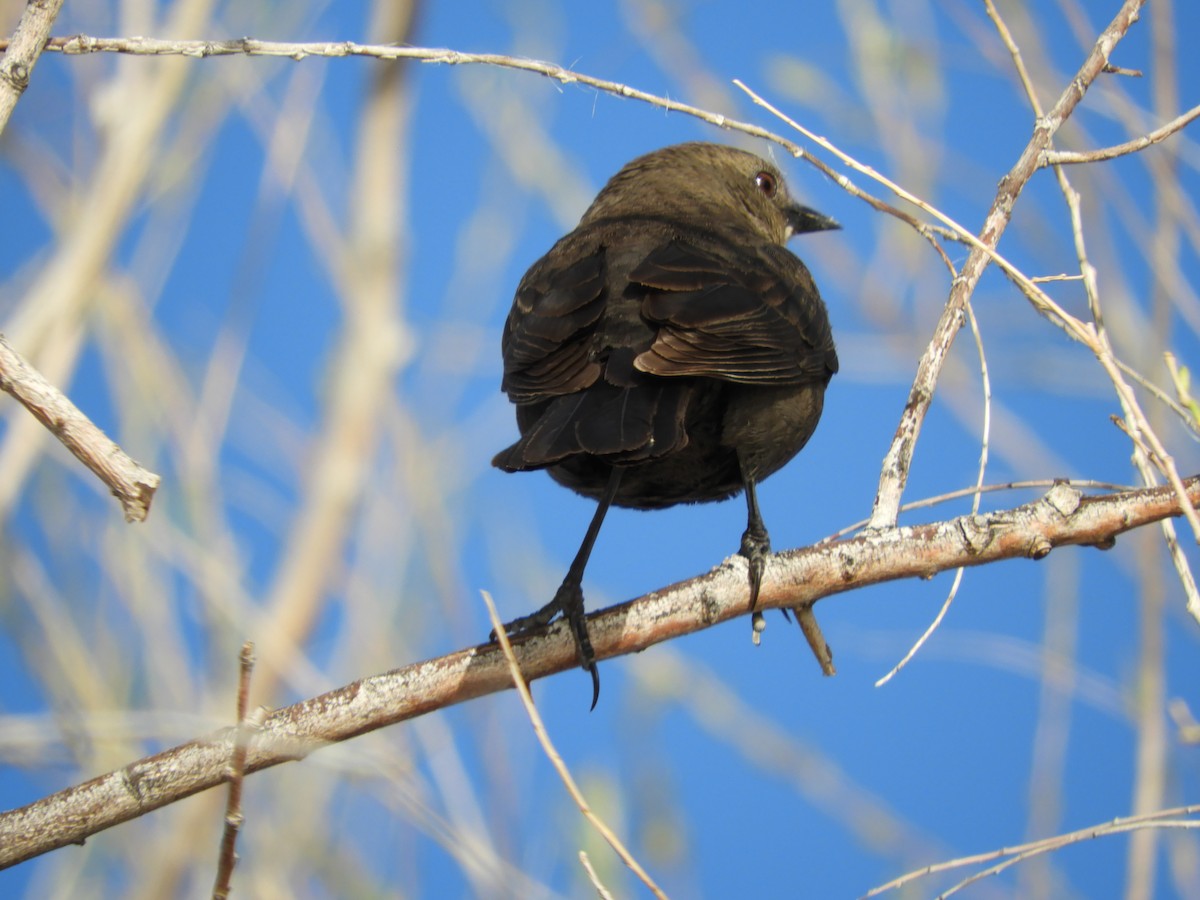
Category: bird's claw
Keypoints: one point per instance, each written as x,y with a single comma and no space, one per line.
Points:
756,547
567,602
570,601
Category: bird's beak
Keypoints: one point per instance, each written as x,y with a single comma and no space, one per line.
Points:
801,220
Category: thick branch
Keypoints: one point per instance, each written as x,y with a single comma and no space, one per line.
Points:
794,578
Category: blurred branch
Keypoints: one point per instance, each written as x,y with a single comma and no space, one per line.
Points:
133,485
1165,818
22,51
817,776
1062,517
373,345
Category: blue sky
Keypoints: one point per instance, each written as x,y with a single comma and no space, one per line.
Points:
727,768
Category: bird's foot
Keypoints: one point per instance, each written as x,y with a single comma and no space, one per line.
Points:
756,547
567,602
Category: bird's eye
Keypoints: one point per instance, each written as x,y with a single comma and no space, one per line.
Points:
767,183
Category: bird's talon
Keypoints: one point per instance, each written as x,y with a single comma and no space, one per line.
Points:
595,673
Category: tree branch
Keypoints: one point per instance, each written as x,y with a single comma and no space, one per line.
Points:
798,577
22,52
133,485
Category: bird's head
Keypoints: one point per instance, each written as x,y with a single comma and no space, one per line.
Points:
709,186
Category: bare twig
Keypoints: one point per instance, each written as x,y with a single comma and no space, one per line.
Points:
795,578
1071,157
237,774
1043,279
1052,845
133,485
1111,69
1187,414
1022,851
593,877
556,760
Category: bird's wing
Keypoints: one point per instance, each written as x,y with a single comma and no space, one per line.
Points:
737,312
546,340
569,366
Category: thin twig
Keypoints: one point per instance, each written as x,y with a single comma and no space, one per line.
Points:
552,754
1053,845
933,626
811,629
593,877
1116,826
1071,157
1043,279
1180,407
237,774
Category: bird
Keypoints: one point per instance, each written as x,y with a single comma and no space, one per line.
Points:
670,349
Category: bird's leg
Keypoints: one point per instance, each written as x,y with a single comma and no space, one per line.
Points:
568,599
756,547
756,543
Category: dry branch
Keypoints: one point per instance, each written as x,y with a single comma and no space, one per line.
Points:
22,52
133,485
798,577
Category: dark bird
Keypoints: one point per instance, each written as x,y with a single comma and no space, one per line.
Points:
668,350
